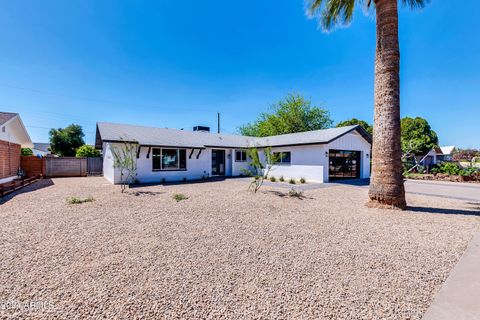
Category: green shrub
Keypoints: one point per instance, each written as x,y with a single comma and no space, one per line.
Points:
291,181
77,200
302,180
282,179
179,197
273,179
87,151
452,168
27,152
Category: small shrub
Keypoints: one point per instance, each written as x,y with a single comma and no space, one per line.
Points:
291,181
273,179
295,194
77,200
179,197
302,180
282,179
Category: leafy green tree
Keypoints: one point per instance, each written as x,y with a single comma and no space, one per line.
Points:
386,184
354,121
87,151
64,142
27,152
292,114
418,138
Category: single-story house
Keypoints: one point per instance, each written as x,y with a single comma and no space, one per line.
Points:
41,149
13,137
446,153
174,155
437,155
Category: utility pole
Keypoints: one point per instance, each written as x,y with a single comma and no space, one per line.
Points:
218,122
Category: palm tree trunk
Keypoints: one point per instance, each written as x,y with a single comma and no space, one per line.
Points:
386,187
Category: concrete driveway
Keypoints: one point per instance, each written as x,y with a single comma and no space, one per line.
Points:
451,190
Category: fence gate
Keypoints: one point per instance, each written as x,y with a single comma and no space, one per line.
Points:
94,166
66,167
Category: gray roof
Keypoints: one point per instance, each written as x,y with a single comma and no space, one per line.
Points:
150,136
41,146
6,116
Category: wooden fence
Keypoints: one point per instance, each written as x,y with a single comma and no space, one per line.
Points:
66,167
33,166
94,166
61,166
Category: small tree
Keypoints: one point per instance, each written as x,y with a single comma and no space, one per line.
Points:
259,171
125,159
87,151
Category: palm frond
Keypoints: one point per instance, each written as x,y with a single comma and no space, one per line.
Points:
332,12
415,3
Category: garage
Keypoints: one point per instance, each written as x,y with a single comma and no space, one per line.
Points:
344,164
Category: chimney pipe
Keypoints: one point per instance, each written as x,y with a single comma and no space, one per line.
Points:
218,122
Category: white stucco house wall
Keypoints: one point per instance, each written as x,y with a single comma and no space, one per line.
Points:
176,155
13,137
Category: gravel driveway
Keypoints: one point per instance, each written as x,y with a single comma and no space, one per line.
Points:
224,252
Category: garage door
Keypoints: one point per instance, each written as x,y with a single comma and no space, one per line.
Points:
344,164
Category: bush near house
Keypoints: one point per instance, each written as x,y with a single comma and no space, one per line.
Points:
448,171
87,151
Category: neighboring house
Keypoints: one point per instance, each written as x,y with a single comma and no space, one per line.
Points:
437,155
446,153
13,137
174,155
41,149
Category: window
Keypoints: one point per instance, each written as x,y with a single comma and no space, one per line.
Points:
169,159
241,156
283,157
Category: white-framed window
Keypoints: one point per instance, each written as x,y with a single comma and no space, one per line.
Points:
169,159
240,156
283,157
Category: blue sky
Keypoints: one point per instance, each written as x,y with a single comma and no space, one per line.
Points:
176,63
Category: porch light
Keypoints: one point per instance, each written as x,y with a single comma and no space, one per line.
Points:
368,155
326,154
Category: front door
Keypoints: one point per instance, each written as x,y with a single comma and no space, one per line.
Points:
218,162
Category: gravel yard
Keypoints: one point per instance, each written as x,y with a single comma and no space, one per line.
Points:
224,252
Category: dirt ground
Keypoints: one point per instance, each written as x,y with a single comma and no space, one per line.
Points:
223,252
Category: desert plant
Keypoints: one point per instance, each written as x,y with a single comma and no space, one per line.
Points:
179,197
125,159
258,171
386,185
282,179
77,200
302,180
291,181
293,193
273,179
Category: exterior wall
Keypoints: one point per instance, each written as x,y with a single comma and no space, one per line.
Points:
196,168
109,172
306,162
14,132
238,167
9,159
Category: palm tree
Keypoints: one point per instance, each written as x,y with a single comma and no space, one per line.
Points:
386,186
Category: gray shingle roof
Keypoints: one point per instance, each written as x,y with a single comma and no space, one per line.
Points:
150,136
5,116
